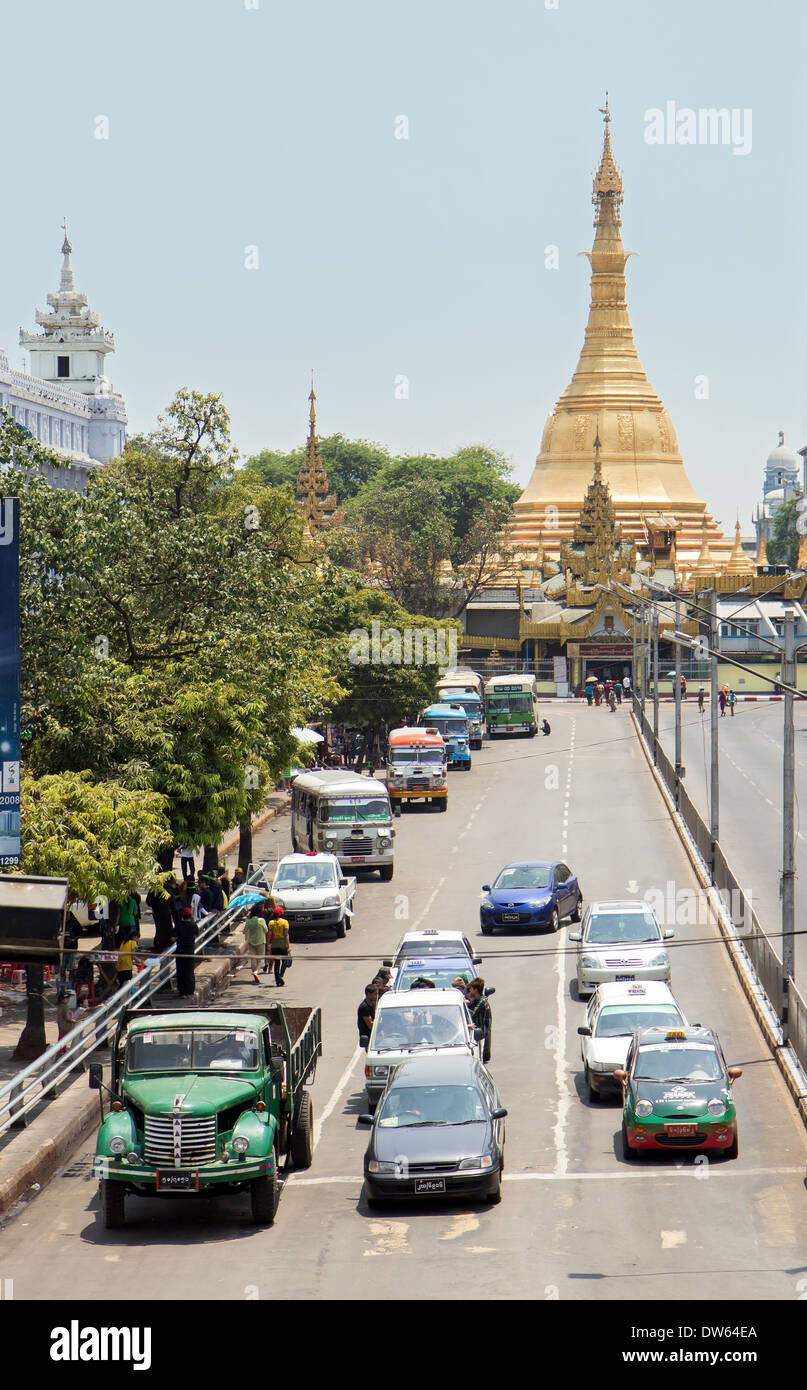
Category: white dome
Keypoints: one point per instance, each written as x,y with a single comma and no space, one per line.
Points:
783,458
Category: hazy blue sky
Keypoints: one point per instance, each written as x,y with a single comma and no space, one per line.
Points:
274,127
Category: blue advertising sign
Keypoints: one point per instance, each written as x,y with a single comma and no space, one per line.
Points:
10,847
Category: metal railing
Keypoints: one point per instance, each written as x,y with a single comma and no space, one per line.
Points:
43,1077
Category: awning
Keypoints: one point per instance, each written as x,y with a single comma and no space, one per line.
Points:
308,736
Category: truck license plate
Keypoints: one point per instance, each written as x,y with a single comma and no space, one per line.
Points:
177,1182
302,917
358,858
430,1184
680,1131
620,978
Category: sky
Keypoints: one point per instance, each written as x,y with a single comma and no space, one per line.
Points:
368,188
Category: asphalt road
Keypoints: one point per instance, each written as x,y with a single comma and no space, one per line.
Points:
576,1222
750,798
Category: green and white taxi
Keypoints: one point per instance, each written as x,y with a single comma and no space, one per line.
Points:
677,1093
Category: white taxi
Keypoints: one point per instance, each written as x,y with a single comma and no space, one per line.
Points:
432,943
613,1015
417,1023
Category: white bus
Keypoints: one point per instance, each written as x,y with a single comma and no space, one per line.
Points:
341,813
511,705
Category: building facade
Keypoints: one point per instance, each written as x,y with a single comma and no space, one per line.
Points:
66,401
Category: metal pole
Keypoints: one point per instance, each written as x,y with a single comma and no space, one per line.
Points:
714,797
678,657
633,664
644,670
788,822
655,682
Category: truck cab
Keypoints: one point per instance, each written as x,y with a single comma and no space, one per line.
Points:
313,891
451,722
417,767
454,689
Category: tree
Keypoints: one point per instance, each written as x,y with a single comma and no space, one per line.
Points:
349,463
99,836
783,546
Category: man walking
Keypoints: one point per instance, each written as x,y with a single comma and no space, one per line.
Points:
281,944
365,1015
701,699
732,702
255,937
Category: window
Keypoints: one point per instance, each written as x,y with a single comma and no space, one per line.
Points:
609,624
62,366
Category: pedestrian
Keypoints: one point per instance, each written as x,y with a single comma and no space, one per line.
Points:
732,702
281,944
459,983
215,896
239,877
479,1009
266,910
365,1014
187,861
197,902
129,918
224,883
612,700
701,699
683,687
546,727
65,1009
255,937
626,685
126,957
619,692
381,980
68,964
161,905
722,700
186,952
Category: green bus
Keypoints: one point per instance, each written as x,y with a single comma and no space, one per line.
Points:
511,705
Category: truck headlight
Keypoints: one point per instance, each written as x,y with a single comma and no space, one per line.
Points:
644,1108
589,963
117,1145
378,1073
240,1144
716,1107
330,902
384,840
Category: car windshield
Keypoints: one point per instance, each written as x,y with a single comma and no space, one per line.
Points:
441,976
415,755
428,948
398,1030
304,876
523,876
612,928
408,1107
355,808
677,1063
193,1049
617,1020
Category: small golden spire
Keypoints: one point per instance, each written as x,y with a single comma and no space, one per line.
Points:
761,557
704,567
597,462
312,414
738,562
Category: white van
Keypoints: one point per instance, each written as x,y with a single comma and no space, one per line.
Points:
417,1023
339,812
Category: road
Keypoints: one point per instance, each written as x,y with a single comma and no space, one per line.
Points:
750,798
576,1222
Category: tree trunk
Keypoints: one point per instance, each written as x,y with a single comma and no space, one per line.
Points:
210,859
165,858
32,1041
245,843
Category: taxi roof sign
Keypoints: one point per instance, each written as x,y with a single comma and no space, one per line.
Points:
676,1035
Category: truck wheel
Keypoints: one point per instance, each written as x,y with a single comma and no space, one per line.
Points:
386,872
265,1196
340,929
295,847
113,1204
302,1135
442,805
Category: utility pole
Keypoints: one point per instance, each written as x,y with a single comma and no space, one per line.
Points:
788,826
655,682
678,656
714,796
644,671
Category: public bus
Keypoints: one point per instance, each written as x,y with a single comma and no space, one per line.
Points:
467,688
341,813
452,722
417,768
511,705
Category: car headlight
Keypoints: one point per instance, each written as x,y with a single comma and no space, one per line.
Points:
484,1162
660,958
329,844
486,902
240,1144
716,1107
330,902
375,1167
590,962
540,902
378,1073
117,1146
644,1108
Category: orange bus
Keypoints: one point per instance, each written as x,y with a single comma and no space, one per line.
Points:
416,767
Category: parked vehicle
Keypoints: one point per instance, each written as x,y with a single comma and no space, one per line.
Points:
205,1102
313,891
346,815
417,767
466,688
535,893
511,705
452,722
432,1020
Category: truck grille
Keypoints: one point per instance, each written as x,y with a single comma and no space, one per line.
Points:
361,845
172,1142
417,784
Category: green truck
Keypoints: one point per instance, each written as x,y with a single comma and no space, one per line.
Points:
205,1102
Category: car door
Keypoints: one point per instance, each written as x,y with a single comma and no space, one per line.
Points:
592,1014
571,889
493,1102
562,890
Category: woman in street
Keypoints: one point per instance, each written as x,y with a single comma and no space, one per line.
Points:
280,944
186,950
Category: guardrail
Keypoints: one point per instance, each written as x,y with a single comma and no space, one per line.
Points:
54,1068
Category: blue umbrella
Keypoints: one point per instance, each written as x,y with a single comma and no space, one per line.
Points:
245,899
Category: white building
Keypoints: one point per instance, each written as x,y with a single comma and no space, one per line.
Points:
66,401
781,484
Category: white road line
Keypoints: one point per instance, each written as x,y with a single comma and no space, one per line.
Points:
334,1100
631,1174
429,903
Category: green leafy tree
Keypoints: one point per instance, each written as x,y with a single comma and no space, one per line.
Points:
349,463
783,546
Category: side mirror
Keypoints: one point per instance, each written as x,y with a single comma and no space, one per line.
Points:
620,1075
479,1034
485,887
500,1114
387,963
364,1120
584,1030
343,883
96,1076
575,936
668,933
476,960
735,1073
490,989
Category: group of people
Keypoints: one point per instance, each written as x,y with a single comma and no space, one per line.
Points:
726,699
266,932
473,994
608,693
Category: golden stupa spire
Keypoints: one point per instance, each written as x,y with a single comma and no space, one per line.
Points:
704,567
313,495
761,556
738,561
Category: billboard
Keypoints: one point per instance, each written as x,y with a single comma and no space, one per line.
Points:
9,681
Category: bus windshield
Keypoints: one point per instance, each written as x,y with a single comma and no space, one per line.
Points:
514,703
415,755
351,808
450,726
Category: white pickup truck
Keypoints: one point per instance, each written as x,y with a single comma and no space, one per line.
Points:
314,892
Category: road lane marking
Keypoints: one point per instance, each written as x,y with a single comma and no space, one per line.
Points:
564,1099
335,1098
618,1175
464,1223
672,1240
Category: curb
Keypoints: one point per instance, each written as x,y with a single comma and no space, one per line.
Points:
785,1058
49,1139
232,840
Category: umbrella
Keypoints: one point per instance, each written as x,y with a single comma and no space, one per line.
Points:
247,898
308,736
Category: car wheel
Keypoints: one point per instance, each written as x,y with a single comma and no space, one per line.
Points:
593,1093
554,921
372,1105
630,1155
493,1198
733,1150
577,915
373,1202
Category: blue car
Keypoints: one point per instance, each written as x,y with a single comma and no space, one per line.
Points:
535,893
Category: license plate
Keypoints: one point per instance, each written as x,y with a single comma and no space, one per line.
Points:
680,1131
620,978
509,916
358,858
430,1184
302,916
177,1182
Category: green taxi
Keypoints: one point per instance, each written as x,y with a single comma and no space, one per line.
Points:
677,1093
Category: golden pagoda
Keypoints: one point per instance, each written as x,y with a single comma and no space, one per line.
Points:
313,498
704,567
610,397
739,562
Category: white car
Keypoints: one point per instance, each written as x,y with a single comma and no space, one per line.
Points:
417,1023
622,942
314,892
432,943
613,1015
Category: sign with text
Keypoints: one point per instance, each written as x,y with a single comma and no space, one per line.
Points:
10,848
